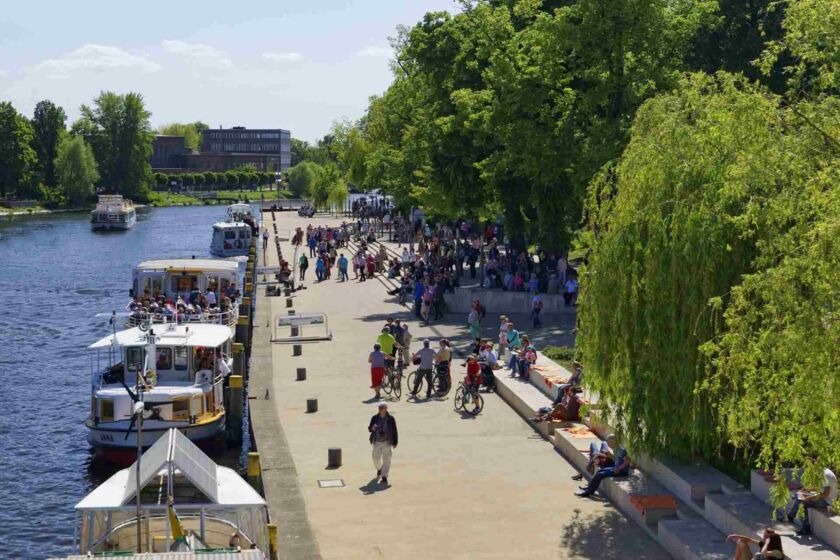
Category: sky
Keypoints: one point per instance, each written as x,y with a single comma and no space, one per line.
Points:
259,64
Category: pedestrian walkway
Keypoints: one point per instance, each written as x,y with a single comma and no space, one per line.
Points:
484,487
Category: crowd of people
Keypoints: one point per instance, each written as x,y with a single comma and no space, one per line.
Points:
190,306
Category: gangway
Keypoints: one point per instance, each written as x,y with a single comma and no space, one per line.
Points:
290,328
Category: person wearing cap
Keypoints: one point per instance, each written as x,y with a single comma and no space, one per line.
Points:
387,343
473,378
383,437
376,359
427,364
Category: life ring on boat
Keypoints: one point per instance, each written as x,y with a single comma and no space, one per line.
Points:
202,377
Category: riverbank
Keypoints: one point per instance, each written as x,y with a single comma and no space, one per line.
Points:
159,200
493,468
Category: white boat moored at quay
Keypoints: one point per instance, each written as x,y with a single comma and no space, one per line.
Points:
176,371
113,212
188,507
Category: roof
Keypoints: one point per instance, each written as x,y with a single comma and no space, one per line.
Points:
174,265
242,555
221,485
226,225
190,334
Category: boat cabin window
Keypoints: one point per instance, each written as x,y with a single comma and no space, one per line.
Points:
243,234
134,358
151,286
230,234
163,360
184,283
106,409
181,408
182,356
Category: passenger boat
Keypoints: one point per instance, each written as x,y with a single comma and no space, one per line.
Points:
158,286
176,370
232,238
188,504
113,212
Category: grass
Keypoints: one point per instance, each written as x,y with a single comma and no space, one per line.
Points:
176,199
171,199
563,355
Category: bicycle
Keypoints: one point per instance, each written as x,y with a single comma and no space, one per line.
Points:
468,399
441,381
392,382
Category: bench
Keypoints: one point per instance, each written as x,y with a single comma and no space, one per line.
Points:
745,514
824,524
693,539
523,397
691,483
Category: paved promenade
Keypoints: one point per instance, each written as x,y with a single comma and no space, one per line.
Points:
484,487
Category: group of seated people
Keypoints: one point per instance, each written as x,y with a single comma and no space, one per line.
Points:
195,306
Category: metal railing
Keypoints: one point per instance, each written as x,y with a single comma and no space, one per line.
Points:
219,318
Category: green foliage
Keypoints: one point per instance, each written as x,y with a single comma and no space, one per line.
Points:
302,178
17,158
75,169
713,278
328,187
48,128
192,133
117,128
560,353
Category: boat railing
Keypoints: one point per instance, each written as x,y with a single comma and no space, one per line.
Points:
218,318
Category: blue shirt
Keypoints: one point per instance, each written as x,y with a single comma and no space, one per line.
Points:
620,457
419,289
342,263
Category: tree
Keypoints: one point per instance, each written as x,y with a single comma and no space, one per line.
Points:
328,183
48,125
17,158
192,132
161,179
302,178
75,169
117,128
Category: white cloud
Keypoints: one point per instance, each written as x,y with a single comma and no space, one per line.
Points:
198,52
282,56
375,50
94,57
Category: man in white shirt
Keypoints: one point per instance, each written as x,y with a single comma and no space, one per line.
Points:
571,291
211,297
814,499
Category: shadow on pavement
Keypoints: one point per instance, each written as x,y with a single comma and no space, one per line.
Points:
373,486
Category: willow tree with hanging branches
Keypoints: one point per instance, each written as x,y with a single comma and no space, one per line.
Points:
709,317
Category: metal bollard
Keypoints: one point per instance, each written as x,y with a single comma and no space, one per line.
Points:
297,350
288,302
333,457
311,406
291,311
301,374
295,330
254,471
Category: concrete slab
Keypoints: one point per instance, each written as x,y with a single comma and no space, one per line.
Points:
690,483
693,539
492,472
826,526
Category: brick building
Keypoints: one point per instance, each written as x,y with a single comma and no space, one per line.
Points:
222,149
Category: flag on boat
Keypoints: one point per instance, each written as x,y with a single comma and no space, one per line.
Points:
178,534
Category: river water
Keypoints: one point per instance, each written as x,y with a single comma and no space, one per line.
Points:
55,276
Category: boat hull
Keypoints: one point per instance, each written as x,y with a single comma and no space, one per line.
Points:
108,226
113,436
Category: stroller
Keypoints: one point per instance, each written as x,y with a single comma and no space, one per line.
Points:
488,378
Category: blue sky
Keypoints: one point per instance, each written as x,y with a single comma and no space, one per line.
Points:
296,65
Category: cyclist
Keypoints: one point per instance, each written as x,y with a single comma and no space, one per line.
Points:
427,360
473,378
387,342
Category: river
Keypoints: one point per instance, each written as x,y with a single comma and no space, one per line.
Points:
55,276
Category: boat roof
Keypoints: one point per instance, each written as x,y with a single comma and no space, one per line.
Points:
189,555
221,485
226,225
240,207
170,334
185,265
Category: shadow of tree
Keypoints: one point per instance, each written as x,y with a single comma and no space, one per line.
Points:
605,536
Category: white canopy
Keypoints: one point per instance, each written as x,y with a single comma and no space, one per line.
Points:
178,265
170,334
221,485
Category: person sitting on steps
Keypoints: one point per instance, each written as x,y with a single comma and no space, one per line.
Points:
769,547
611,463
566,409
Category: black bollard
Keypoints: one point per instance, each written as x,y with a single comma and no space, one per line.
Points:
333,457
301,374
297,350
288,302
311,406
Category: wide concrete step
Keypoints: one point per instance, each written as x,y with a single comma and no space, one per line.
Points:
691,483
747,515
693,539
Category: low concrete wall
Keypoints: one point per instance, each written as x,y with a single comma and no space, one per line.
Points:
500,301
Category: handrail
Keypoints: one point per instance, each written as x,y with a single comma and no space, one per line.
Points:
221,318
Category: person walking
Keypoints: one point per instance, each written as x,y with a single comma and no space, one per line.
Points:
383,437
342,268
536,308
472,322
376,359
303,264
265,238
